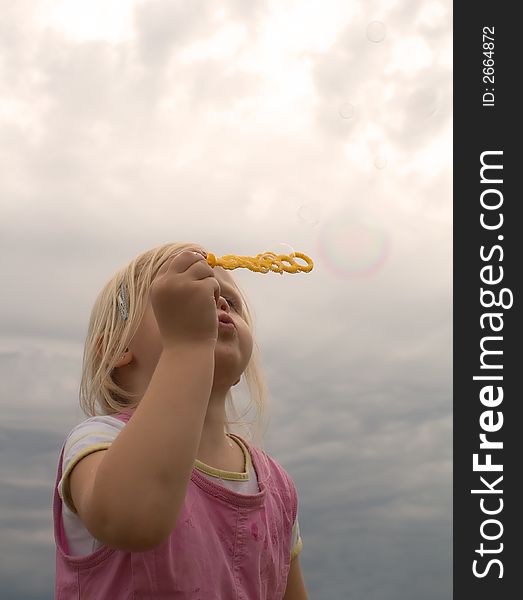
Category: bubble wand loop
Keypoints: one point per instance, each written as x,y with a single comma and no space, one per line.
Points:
262,263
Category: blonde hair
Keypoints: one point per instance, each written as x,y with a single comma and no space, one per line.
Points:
109,335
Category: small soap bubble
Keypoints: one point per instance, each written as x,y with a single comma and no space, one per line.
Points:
346,110
423,103
376,31
308,213
380,161
289,250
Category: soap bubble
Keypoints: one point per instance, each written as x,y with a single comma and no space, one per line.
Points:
308,213
423,103
376,31
346,110
380,161
289,250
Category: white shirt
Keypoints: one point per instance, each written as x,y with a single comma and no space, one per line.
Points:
98,433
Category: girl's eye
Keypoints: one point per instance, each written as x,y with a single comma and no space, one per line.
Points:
232,303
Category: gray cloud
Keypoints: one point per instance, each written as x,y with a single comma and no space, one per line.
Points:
112,148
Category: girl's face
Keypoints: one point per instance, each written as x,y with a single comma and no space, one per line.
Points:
233,347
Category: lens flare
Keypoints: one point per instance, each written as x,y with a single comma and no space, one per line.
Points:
352,248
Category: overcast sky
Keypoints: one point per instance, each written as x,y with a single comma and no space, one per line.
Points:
322,127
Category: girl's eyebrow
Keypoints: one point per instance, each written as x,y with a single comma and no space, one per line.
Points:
231,288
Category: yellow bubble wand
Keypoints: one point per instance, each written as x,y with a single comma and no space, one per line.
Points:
263,263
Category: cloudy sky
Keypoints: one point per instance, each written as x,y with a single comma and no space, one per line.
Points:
323,127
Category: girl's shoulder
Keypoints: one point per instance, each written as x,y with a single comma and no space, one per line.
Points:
99,421
91,434
93,429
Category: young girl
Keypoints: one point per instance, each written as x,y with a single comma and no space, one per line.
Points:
154,497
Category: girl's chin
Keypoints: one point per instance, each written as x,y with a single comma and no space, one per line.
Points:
224,380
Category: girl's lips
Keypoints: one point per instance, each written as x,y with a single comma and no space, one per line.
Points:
225,318
226,325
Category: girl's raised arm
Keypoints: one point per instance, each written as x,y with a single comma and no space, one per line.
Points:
129,496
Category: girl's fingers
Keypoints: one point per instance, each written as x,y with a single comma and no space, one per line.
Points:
202,255
165,267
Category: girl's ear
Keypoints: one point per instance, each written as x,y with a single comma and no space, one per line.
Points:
124,359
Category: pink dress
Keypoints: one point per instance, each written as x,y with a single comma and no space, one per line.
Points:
225,546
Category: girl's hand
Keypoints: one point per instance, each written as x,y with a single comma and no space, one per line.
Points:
184,297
